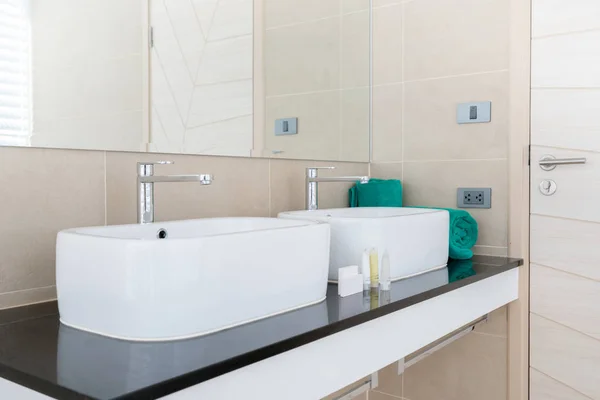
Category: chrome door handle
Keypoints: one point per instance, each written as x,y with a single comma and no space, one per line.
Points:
548,162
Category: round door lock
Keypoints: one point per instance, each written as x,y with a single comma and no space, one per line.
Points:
548,187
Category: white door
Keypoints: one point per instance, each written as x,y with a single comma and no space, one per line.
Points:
565,201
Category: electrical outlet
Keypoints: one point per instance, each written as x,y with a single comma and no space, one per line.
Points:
474,198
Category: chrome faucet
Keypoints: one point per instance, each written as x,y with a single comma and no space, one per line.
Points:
145,184
312,181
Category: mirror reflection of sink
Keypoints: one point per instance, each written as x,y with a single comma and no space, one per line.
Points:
176,280
416,239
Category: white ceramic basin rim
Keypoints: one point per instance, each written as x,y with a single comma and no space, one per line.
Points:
205,276
416,239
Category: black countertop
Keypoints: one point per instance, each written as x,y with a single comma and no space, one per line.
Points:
38,352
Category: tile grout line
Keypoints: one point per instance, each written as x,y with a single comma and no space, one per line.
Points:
560,382
565,272
105,191
565,218
559,34
26,290
403,93
564,326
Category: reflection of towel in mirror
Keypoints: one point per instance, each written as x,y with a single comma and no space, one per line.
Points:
377,193
460,269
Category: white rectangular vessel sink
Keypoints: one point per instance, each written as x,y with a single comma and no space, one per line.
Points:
416,239
177,280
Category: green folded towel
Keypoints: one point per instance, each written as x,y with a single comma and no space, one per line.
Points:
460,269
377,193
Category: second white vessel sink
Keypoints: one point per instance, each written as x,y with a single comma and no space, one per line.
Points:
416,239
176,280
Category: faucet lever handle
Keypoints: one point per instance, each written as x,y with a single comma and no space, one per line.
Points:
146,168
311,172
150,163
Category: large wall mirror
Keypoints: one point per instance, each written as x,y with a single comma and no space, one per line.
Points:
263,78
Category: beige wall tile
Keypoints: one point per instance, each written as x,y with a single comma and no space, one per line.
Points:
575,184
550,17
354,144
430,128
545,388
288,184
472,368
389,381
435,184
497,323
284,12
387,123
567,245
436,37
240,188
303,58
552,115
567,61
491,251
349,6
45,191
29,296
355,50
565,355
387,44
341,392
566,298
319,123
375,395
387,170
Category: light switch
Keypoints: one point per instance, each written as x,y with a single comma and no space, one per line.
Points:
474,113
286,126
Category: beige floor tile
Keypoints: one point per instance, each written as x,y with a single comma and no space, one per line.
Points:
435,184
45,191
472,368
240,187
288,186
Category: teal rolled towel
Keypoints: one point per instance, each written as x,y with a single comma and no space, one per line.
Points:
463,234
377,193
460,269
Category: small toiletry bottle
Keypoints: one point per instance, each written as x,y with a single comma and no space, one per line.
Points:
366,269
374,261
385,280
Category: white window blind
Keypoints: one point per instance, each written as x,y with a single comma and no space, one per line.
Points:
15,73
